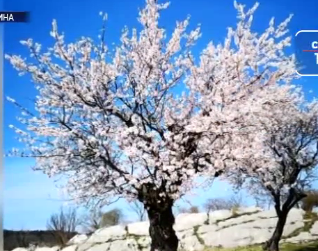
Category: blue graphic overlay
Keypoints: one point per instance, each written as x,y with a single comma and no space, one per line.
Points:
306,42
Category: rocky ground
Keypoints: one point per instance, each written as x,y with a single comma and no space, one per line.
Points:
197,232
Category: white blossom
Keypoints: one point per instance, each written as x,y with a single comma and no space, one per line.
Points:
112,122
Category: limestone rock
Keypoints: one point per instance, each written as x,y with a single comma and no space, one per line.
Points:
124,245
207,229
144,242
235,236
303,236
70,248
236,221
314,229
290,228
187,221
295,214
249,210
99,247
139,228
85,246
191,243
47,248
265,214
219,215
260,223
80,238
184,234
107,234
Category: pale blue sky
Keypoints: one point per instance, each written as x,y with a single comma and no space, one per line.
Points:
29,198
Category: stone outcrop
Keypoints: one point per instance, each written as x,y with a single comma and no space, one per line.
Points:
222,228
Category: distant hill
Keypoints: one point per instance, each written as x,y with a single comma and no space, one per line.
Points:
14,239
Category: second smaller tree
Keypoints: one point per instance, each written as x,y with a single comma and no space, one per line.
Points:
285,155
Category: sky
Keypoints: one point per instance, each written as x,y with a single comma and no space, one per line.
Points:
30,197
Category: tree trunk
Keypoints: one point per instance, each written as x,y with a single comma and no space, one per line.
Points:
293,198
163,236
161,219
273,243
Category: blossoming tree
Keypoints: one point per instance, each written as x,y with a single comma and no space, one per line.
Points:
113,124
286,153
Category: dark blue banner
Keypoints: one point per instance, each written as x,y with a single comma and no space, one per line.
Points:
14,16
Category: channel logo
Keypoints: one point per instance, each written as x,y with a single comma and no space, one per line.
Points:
307,52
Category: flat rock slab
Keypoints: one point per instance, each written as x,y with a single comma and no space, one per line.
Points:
144,241
47,248
235,236
185,233
187,221
290,228
295,214
303,236
219,215
314,229
124,245
107,234
265,214
191,243
70,248
138,228
80,238
249,210
237,220
207,229
99,247
85,246
259,224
